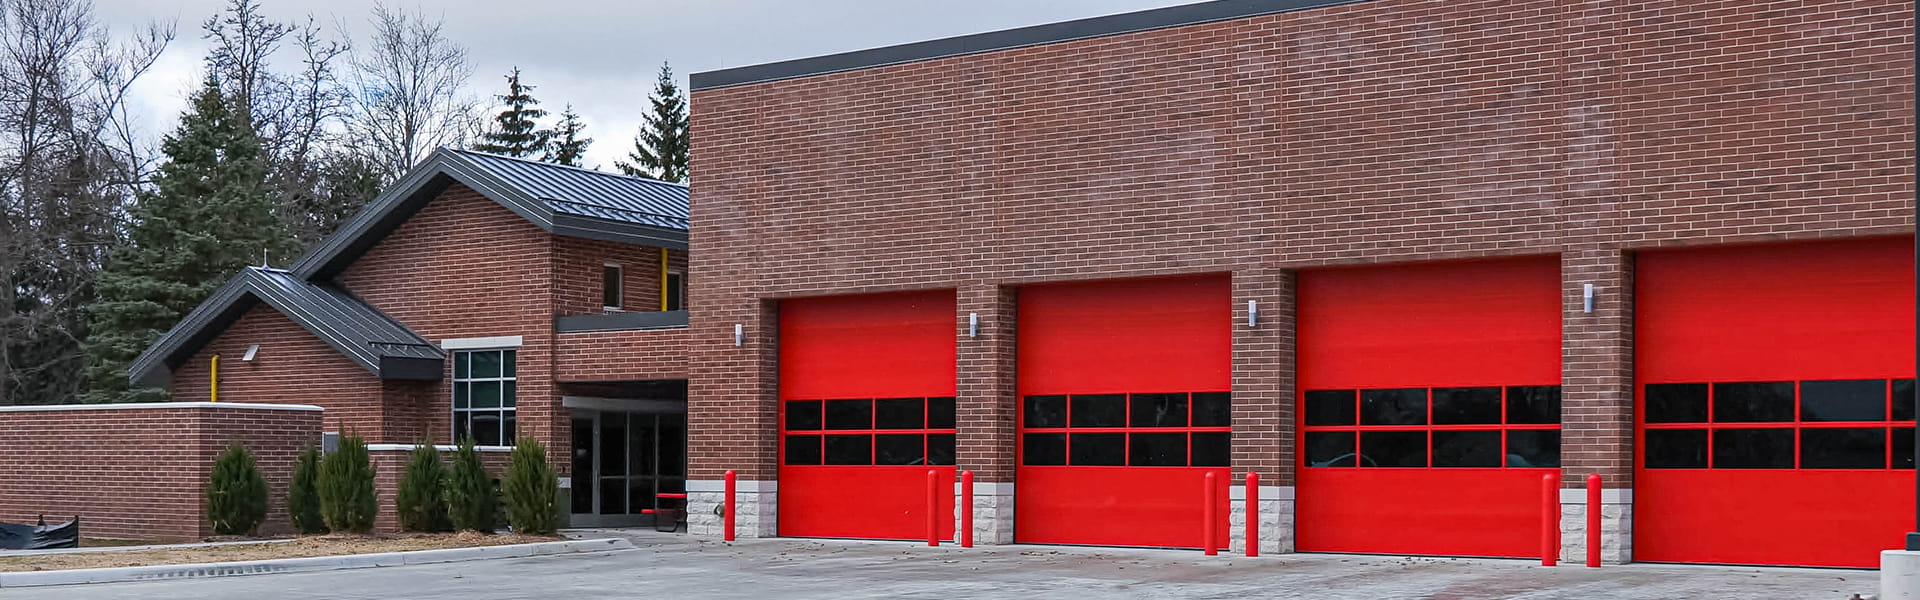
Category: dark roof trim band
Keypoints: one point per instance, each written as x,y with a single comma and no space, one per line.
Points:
1133,22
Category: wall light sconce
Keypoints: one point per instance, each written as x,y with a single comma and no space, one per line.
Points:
1253,313
973,324
739,334
1586,299
251,351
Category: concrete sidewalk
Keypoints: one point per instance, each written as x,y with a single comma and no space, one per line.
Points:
678,566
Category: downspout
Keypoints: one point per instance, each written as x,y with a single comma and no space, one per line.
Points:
213,380
663,279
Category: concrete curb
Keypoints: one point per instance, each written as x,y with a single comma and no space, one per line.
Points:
302,565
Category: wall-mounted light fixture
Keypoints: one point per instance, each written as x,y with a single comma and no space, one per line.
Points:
1586,299
973,324
739,334
1253,313
251,351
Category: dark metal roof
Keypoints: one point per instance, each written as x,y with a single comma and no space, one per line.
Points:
564,200
1146,20
370,338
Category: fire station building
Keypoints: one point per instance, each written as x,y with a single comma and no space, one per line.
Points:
1399,258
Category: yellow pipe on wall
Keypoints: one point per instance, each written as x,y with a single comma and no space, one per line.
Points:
213,380
663,279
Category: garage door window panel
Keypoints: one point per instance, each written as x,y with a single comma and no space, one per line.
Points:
1149,429
1451,427
1851,424
864,432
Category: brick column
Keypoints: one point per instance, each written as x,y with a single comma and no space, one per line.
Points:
986,406
1263,405
732,419
1597,399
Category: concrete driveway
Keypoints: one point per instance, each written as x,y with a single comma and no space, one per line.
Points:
669,566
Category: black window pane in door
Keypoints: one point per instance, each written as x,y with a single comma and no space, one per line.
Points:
849,450
803,415
1903,399
1861,448
1212,449
613,496
899,449
1157,450
940,413
849,414
1159,410
673,444
1329,407
1099,410
1676,448
1753,449
803,450
1097,449
899,413
1538,404
940,449
1212,409
582,499
1849,400
1046,411
1393,449
1466,448
641,495
1043,449
1466,406
1752,402
1533,448
613,445
1394,407
1902,447
1329,448
1676,403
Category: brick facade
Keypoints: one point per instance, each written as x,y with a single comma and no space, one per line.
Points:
138,472
292,367
1370,132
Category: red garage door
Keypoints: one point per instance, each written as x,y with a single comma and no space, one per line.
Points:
867,407
1775,403
1429,406
1124,410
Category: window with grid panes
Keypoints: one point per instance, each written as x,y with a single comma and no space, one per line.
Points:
1815,424
1163,429
1487,427
483,396
884,431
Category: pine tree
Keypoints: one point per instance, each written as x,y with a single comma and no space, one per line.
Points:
347,500
236,495
420,502
531,489
303,494
516,131
209,213
660,151
471,504
568,143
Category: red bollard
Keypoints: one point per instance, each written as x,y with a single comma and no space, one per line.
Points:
1549,520
966,509
726,512
1210,497
1253,514
933,507
1593,520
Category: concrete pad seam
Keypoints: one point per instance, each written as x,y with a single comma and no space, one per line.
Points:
306,564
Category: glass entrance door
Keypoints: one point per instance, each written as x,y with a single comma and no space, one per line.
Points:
622,461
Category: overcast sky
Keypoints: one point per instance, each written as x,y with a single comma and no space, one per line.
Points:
602,55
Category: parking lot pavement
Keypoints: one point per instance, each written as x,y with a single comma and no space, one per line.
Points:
669,566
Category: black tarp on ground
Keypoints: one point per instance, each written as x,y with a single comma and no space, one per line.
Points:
14,536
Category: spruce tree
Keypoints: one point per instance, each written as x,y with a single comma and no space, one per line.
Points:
660,151
236,496
516,131
569,141
531,489
471,504
347,500
303,494
420,503
209,212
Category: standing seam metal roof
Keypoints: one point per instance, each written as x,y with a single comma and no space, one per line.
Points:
588,193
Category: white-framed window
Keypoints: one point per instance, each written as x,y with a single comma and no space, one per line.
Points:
612,284
674,296
484,405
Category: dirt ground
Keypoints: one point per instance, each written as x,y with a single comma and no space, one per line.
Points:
323,545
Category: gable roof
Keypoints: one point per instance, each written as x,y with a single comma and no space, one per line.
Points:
562,200
370,338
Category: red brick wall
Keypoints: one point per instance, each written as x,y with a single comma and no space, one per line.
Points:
621,355
1389,130
139,473
577,264
464,267
292,367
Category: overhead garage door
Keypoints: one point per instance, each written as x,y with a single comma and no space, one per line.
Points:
1429,406
1775,403
866,409
1124,410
